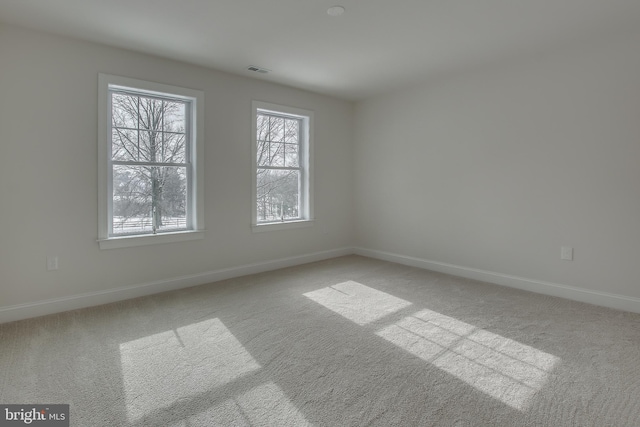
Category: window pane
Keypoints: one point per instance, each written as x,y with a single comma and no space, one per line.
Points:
174,117
131,200
276,154
150,145
291,155
150,113
262,127
173,148
124,110
278,195
173,199
160,147
291,130
148,197
124,144
276,129
262,154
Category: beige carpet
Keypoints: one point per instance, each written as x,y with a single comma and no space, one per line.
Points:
345,342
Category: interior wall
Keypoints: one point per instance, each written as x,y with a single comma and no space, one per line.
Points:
496,168
48,171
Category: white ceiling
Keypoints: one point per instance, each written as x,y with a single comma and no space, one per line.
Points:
375,46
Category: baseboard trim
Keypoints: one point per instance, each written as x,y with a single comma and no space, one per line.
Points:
89,299
57,305
619,302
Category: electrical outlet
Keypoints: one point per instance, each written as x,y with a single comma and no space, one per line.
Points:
566,253
52,263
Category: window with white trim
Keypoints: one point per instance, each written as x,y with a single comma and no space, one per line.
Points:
282,178
150,162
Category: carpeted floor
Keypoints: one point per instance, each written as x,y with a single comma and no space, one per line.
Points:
345,342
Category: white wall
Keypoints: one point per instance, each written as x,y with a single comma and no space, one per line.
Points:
493,169
48,171
496,168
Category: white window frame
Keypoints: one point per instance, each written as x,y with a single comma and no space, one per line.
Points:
305,160
195,199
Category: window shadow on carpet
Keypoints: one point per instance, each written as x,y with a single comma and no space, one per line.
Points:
502,368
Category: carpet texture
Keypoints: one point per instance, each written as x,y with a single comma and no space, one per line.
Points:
345,342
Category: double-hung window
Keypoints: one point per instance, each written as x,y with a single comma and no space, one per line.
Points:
150,162
282,179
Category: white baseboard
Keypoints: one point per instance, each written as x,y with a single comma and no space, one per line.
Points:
57,305
619,302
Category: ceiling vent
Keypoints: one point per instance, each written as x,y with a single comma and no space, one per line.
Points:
257,69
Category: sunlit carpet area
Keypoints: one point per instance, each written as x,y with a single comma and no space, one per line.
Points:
345,342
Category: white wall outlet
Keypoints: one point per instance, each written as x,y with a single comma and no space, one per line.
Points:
566,253
52,263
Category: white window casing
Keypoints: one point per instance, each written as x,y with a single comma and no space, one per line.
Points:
187,165
282,167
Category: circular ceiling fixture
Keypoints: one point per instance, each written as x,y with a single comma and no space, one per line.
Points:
335,11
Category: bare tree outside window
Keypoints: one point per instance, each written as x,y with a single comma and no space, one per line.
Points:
149,152
279,175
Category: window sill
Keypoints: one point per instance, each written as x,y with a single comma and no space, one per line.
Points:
273,226
149,239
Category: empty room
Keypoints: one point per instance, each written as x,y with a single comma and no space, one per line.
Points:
322,213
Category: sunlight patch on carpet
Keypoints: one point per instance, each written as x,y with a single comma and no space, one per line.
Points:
357,302
162,369
264,405
497,366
